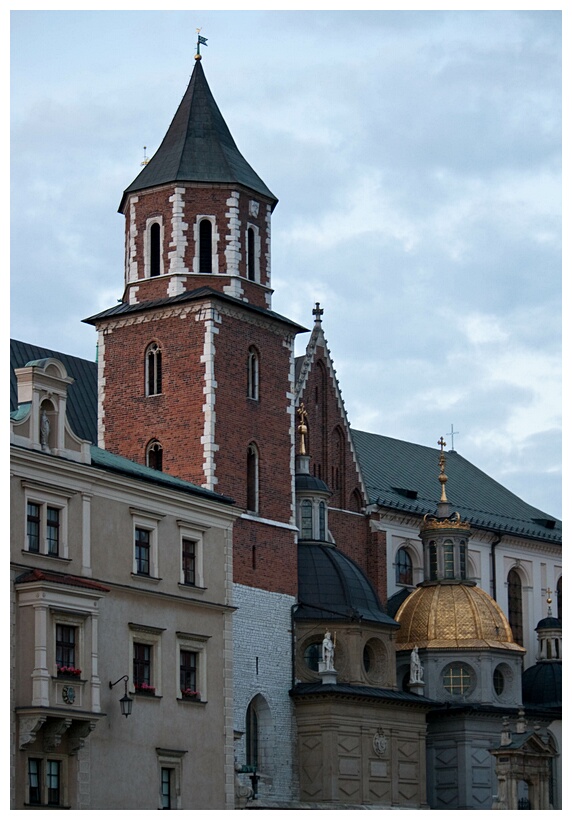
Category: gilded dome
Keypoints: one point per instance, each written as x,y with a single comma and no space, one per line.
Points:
452,616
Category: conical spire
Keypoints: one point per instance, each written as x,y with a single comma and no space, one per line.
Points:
198,147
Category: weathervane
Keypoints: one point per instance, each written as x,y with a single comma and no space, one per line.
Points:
201,41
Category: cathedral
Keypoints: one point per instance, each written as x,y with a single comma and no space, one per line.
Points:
301,615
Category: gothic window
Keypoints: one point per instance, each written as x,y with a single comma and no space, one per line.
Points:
356,503
153,370
154,455
205,246
403,567
338,466
252,374
252,467
515,605
155,249
306,528
251,735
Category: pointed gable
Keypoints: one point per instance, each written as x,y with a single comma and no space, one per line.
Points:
198,147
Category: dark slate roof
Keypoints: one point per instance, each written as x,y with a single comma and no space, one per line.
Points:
307,482
403,476
82,394
542,685
549,623
125,308
332,587
198,147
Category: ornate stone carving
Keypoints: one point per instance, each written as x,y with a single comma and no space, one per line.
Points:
380,743
29,728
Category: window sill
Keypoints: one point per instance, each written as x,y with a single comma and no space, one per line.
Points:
148,695
192,588
46,555
149,579
45,806
192,700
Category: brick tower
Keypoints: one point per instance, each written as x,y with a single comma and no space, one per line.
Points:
196,378
195,369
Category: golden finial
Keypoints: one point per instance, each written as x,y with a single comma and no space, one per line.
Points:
302,428
145,158
442,477
201,41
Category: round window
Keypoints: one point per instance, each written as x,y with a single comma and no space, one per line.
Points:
457,678
312,655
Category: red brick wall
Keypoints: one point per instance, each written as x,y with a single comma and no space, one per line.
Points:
210,201
176,419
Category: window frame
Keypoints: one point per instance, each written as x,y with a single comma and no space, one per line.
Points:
253,254
42,774
253,374
170,760
149,636
150,522
403,570
46,500
154,452
148,246
252,479
154,377
214,244
190,532
196,644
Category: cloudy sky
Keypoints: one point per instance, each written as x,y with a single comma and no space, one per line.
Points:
417,160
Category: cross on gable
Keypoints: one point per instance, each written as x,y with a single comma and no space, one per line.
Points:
318,312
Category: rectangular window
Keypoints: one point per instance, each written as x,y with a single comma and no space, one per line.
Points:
142,550
166,788
65,647
33,527
34,781
188,673
189,562
53,530
142,666
53,782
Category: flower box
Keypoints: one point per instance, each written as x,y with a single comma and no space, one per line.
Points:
190,694
144,689
68,672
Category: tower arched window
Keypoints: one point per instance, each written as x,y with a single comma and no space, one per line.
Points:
252,468
205,246
154,455
514,584
153,370
306,519
251,254
403,567
155,249
253,372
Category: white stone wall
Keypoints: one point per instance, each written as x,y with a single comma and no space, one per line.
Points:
263,666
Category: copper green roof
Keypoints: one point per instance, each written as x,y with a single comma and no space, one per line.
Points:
402,476
198,147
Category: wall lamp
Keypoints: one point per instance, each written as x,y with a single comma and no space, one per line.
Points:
125,702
